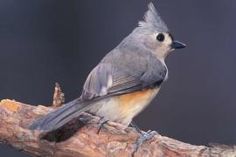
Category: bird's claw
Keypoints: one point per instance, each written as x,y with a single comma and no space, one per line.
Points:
144,136
101,124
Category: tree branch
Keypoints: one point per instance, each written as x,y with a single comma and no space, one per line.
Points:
78,140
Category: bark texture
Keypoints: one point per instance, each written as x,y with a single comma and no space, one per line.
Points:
79,140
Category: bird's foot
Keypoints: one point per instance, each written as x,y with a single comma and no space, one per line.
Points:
135,126
101,124
144,136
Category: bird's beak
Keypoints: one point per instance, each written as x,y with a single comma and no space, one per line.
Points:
177,45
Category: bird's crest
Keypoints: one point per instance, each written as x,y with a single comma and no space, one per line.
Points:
152,20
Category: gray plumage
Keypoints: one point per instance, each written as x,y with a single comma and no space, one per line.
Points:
152,20
137,63
126,78
130,71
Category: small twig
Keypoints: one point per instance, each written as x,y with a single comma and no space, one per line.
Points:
58,96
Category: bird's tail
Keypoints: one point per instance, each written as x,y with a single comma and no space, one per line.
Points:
60,116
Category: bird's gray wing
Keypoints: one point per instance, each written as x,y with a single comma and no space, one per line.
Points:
108,79
115,75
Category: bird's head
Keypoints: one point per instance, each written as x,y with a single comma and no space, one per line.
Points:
154,35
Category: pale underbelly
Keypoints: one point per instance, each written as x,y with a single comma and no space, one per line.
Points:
123,109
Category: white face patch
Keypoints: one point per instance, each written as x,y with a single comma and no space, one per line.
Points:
166,41
163,47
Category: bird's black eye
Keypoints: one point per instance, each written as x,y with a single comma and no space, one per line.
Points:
160,37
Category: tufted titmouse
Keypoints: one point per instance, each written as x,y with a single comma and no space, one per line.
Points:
126,80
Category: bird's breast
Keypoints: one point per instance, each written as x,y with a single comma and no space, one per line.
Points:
124,108
133,103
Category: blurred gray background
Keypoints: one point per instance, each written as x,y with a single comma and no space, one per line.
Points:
44,41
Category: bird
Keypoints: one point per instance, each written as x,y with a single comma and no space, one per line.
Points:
125,81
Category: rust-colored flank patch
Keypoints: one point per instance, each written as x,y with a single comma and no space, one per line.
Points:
10,105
